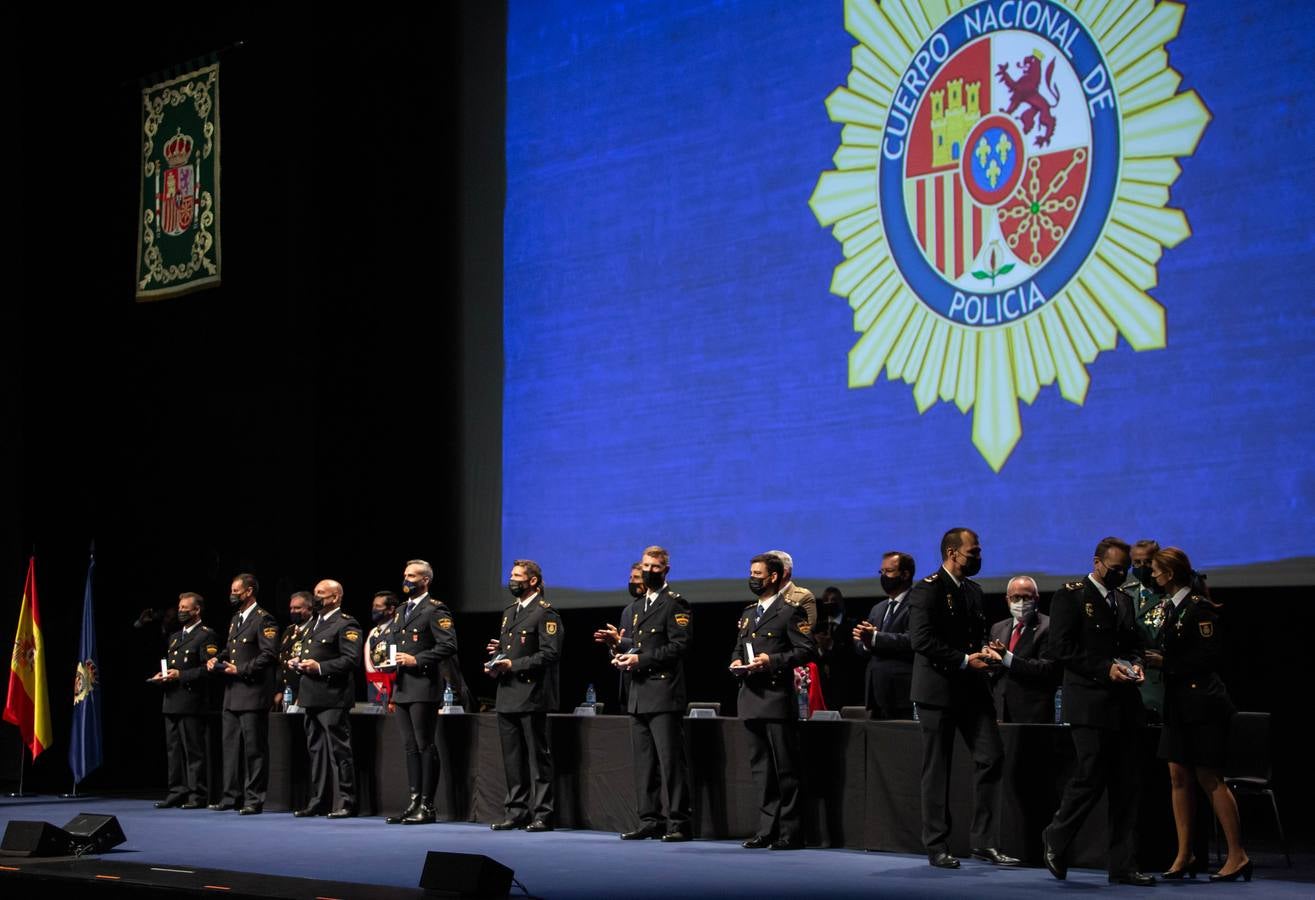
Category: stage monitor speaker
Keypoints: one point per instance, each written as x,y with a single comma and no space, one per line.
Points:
465,875
24,838
92,833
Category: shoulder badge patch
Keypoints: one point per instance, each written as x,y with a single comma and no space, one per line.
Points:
682,619
1207,629
743,623
804,627
551,626
211,650
352,635
1091,610
271,632
445,623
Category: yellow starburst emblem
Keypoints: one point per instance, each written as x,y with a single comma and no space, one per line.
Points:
1000,195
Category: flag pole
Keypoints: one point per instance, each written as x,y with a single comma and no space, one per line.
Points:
22,761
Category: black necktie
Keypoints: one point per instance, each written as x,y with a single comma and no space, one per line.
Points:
758,617
890,614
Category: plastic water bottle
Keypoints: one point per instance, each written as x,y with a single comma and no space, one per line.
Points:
287,697
915,712
1059,706
590,697
449,700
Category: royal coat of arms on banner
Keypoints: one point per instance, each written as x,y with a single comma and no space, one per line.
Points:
1001,195
178,219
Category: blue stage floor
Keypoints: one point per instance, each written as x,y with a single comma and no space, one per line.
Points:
570,864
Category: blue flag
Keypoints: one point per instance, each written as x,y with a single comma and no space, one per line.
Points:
84,753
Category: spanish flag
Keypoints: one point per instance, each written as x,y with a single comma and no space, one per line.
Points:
28,703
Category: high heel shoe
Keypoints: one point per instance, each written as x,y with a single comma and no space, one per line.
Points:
1188,871
1245,872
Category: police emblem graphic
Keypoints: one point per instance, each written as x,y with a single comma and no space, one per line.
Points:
1000,196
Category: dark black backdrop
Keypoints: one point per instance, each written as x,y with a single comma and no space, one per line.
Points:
305,419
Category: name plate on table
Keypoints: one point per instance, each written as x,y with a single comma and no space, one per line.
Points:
293,710
369,709
587,709
825,715
703,713
452,711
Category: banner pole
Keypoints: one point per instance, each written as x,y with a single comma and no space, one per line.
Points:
22,767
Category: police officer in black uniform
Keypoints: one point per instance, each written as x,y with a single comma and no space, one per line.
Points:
299,605
947,627
525,659
780,636
247,665
186,704
425,637
330,653
657,628
1095,639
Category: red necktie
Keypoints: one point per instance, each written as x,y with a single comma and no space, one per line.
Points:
1018,632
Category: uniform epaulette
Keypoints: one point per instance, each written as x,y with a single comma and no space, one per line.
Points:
433,602
545,604
1074,585
931,579
675,595
791,602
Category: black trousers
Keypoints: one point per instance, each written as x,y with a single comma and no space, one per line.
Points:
774,762
658,740
184,741
1107,758
976,722
417,722
329,745
525,753
246,743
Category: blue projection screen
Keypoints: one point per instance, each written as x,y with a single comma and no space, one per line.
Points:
834,277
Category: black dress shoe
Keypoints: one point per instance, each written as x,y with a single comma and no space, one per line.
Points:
1187,871
643,832
1244,873
942,860
676,837
221,806
252,810
757,842
345,812
1054,863
1136,879
538,825
508,824
795,844
306,813
425,815
192,804
410,810
994,856
168,802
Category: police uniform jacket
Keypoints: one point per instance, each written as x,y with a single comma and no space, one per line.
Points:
289,649
946,623
660,637
334,643
1086,636
428,634
252,647
188,653
1193,654
783,633
532,639
1025,691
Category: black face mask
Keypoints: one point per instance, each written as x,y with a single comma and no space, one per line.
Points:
972,566
518,588
758,586
891,586
316,604
186,618
636,590
298,617
380,615
1114,578
1143,574
654,580
234,600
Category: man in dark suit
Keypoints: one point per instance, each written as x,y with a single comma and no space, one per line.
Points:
883,639
650,650
774,637
299,605
526,654
425,637
947,625
247,666
186,705
1025,680
330,653
838,662
1095,639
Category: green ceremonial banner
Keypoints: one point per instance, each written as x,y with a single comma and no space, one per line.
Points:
178,219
